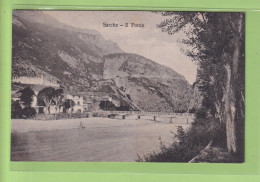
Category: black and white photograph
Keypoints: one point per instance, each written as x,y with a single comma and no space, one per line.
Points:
128,86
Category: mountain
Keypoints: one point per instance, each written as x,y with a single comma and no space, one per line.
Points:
152,86
82,61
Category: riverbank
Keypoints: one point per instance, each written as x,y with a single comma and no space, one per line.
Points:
26,125
102,139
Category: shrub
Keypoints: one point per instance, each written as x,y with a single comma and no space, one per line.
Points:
187,145
128,96
16,110
112,116
181,150
97,114
193,110
28,112
62,116
80,115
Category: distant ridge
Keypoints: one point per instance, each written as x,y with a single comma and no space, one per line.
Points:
82,61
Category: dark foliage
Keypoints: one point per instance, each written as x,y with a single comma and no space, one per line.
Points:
58,94
50,96
45,96
128,96
100,115
69,103
61,116
26,96
107,105
188,144
91,56
28,112
16,110
123,108
217,45
192,110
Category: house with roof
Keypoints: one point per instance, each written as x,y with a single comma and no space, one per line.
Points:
78,107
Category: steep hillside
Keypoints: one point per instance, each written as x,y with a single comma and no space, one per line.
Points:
83,61
150,85
88,36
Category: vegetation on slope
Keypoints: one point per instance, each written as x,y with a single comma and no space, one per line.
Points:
217,44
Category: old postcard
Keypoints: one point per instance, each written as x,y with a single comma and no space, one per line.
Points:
128,86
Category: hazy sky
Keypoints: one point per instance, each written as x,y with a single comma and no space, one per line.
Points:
148,41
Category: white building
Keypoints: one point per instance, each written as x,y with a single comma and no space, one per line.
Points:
34,81
79,106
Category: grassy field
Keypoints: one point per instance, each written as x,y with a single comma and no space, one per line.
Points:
102,139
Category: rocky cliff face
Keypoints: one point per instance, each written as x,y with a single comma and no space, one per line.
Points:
83,61
150,85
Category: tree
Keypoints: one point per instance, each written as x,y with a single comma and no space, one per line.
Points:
26,99
49,96
45,98
16,109
69,103
28,112
216,43
57,98
26,96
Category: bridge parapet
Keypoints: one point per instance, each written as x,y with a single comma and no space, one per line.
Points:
149,113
